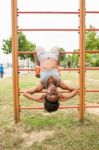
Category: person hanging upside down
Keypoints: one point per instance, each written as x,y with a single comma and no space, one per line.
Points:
48,63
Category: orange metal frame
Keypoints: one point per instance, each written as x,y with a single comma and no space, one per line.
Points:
16,92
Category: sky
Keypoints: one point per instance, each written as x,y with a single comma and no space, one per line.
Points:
68,40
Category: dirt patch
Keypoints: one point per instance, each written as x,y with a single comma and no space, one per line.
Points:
32,137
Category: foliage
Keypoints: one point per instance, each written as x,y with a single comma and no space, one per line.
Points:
7,46
24,45
92,40
63,57
92,43
75,59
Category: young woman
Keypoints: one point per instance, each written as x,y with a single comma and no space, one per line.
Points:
48,62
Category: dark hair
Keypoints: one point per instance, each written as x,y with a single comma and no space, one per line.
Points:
51,106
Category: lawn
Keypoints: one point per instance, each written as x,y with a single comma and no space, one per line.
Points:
39,130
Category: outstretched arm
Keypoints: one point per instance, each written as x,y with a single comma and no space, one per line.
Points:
60,55
29,93
71,91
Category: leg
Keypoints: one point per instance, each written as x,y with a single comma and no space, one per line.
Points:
58,52
39,52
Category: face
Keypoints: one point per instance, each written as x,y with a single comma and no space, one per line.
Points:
52,94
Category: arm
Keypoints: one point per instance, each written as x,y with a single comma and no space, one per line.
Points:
29,93
60,55
72,91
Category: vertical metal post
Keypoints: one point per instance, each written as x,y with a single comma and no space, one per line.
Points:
15,61
82,60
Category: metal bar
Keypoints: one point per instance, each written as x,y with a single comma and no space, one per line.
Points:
87,29
61,107
57,12
69,69
39,107
92,12
46,12
91,90
20,30
62,91
82,60
97,68
15,61
44,91
86,51
64,69
27,52
91,51
90,29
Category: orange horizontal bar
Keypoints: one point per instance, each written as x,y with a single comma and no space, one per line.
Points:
91,90
20,30
63,69
53,12
25,52
95,68
47,12
87,29
91,51
92,12
62,91
68,69
61,107
39,107
45,91
28,52
86,51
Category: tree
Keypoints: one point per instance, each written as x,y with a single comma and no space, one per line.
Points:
23,45
92,43
63,58
75,59
92,40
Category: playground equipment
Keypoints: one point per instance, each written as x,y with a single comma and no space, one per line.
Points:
16,91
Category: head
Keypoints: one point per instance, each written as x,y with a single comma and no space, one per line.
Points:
51,106
52,93
52,99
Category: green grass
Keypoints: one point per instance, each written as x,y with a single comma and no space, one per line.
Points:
68,132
